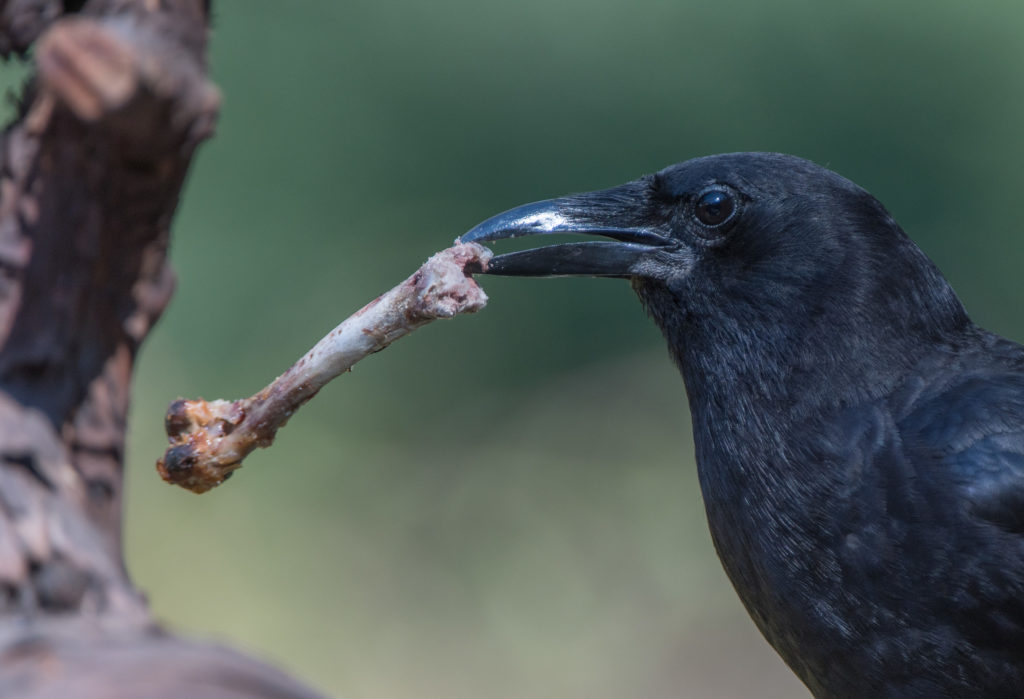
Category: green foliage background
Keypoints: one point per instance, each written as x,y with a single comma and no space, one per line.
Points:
506,505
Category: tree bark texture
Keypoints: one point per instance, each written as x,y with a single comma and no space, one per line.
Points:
90,175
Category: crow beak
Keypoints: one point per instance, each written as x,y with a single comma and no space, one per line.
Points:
629,253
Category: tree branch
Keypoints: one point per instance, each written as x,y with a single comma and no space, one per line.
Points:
90,175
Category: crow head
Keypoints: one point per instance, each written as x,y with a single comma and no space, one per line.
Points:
750,262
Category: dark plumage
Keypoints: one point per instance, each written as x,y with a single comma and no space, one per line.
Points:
860,442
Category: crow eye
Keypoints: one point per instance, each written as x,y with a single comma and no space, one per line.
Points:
714,207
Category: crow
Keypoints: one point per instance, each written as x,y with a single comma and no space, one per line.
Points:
859,440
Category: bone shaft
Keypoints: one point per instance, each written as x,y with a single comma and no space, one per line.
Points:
369,330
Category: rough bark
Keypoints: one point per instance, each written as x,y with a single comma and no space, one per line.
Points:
90,175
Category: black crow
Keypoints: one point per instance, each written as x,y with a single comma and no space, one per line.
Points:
860,442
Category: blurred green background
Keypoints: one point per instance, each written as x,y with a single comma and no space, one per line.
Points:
506,505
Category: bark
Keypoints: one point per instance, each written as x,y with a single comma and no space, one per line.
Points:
92,169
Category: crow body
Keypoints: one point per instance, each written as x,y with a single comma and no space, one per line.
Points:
860,442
